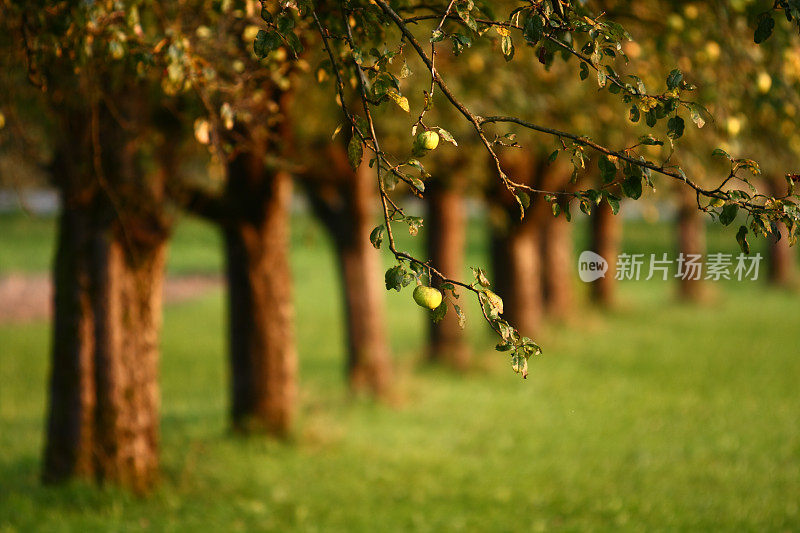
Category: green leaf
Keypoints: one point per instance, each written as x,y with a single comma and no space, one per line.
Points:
719,152
651,118
519,363
584,71
396,278
632,187
507,46
764,29
674,79
447,136
462,318
634,114
699,114
741,238
640,87
649,140
504,346
376,237
613,201
524,201
608,170
266,42
675,127
294,42
362,123
728,214
285,23
601,77
532,31
438,314
355,152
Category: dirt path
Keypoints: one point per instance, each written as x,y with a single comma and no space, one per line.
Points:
29,297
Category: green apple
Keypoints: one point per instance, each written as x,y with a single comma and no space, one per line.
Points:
424,142
428,140
427,297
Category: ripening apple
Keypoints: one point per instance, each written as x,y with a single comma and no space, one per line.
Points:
425,141
427,297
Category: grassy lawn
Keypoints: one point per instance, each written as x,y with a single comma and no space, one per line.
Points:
657,416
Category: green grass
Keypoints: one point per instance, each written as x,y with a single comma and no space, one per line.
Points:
658,416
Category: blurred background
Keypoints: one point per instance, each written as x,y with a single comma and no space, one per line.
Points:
656,405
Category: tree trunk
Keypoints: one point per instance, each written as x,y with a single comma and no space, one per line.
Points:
69,447
127,301
447,229
781,258
517,276
368,361
108,275
516,246
691,241
262,351
606,234
344,201
558,266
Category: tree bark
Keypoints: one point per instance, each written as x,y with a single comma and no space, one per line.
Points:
516,248
344,201
691,240
69,443
127,300
368,360
517,276
263,357
253,214
558,266
446,223
108,275
606,233
781,258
